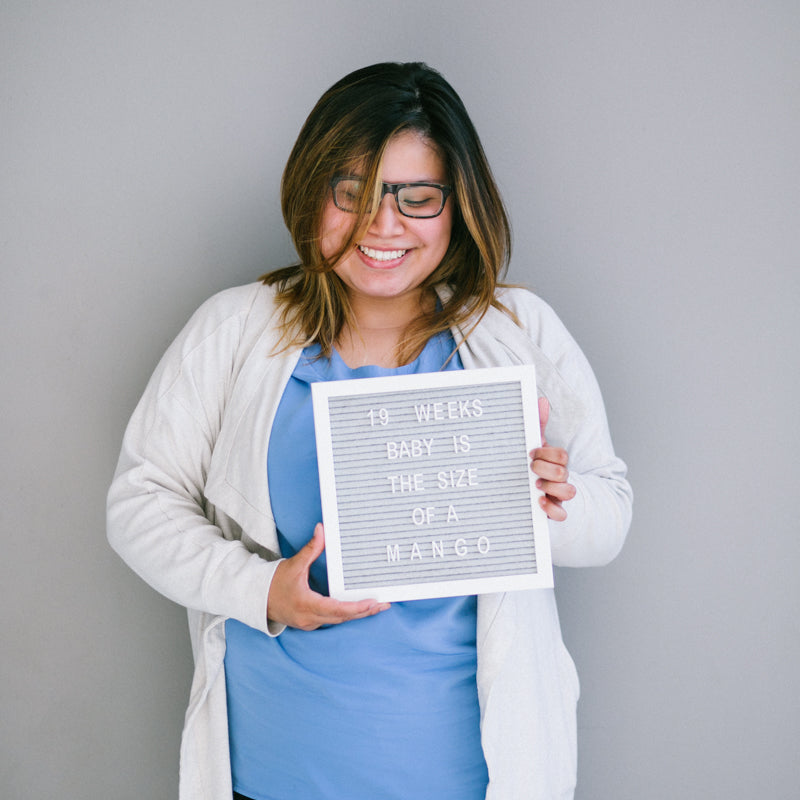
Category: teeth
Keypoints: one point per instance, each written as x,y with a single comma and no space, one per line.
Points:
381,255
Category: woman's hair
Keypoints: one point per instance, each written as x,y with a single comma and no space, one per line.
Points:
351,126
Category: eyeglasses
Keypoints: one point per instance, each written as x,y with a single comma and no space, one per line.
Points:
418,200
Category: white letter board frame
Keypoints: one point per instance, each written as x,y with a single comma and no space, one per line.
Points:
363,492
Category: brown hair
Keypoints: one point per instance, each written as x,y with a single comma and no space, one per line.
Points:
353,123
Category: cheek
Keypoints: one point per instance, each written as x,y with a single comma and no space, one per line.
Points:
445,231
336,227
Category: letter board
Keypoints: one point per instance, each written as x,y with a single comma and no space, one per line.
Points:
426,485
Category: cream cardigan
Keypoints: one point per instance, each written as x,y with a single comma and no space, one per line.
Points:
189,511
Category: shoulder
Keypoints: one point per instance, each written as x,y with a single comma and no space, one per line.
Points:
560,362
521,299
230,313
220,334
249,299
535,319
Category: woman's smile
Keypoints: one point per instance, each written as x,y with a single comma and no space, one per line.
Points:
383,256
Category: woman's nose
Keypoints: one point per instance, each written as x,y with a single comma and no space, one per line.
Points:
388,220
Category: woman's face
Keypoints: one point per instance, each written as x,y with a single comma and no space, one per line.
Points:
394,254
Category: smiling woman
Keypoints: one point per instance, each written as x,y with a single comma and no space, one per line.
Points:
393,257
402,238
370,125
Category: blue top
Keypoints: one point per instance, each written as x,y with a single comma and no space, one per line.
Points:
383,708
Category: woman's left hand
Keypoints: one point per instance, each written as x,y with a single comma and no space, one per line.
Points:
550,464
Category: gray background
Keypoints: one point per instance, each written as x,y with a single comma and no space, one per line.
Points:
648,153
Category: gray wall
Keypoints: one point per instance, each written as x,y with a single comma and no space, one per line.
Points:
649,156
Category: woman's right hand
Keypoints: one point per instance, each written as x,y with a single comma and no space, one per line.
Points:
292,602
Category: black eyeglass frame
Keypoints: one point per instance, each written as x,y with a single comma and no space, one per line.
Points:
393,189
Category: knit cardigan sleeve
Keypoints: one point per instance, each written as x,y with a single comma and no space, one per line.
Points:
599,516
158,518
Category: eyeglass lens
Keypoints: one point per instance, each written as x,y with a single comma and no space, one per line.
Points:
421,200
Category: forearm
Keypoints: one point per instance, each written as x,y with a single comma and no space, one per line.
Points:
162,533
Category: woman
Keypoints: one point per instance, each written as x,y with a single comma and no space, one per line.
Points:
402,238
